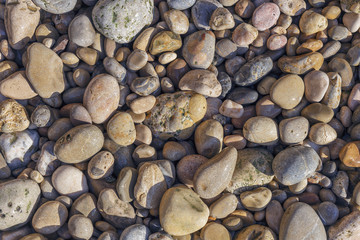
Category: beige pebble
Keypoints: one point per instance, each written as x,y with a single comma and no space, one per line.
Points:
231,109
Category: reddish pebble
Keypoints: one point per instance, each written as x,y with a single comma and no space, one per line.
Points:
276,42
265,16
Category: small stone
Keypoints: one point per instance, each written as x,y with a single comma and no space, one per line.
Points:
69,181
287,91
300,220
136,60
311,45
322,134
339,33
122,20
276,42
252,71
165,41
150,186
340,184
353,100
316,85
199,49
75,145
293,130
261,130
201,81
350,155
174,151
221,19
136,231
182,211
56,7
85,205
244,8
204,179
144,86
125,184
116,212
333,93
16,86
242,95
88,55
291,7
265,16
13,117
50,80
301,64
274,213
257,199
294,164
244,34
121,129
81,31
328,213
208,138
351,21
317,112
101,165
312,22
18,202
144,153
346,228
49,217
7,68
177,21
21,20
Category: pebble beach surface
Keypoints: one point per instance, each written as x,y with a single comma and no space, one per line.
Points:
180,119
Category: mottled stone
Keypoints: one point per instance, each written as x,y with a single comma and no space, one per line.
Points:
165,41
201,13
301,64
13,117
265,16
287,91
312,22
201,81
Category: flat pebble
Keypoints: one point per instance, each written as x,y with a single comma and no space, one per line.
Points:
49,217
257,199
254,130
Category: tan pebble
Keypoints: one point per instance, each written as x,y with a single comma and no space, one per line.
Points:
88,55
266,107
236,141
121,129
213,231
231,109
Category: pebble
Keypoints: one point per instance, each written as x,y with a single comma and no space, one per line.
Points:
121,129
136,231
276,42
231,109
221,19
192,105
244,34
294,164
291,7
101,97
317,112
177,21
182,211
213,231
351,20
150,186
199,49
262,232
274,213
174,151
328,213
165,41
208,138
347,227
312,22
20,22
74,146
300,221
242,95
287,91
224,206
265,16
343,68
122,20
49,217
81,31
244,8
50,80
257,199
261,130
311,45
69,181
201,81
19,200
253,169
293,130
322,134
13,117
80,227
118,213
301,64
340,184
101,165
316,85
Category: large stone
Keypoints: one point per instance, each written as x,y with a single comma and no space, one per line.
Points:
18,202
253,169
17,86
44,69
56,6
300,222
122,20
176,115
213,176
295,164
201,81
13,116
346,228
301,64
182,211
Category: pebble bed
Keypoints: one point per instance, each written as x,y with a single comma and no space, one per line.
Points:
180,119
